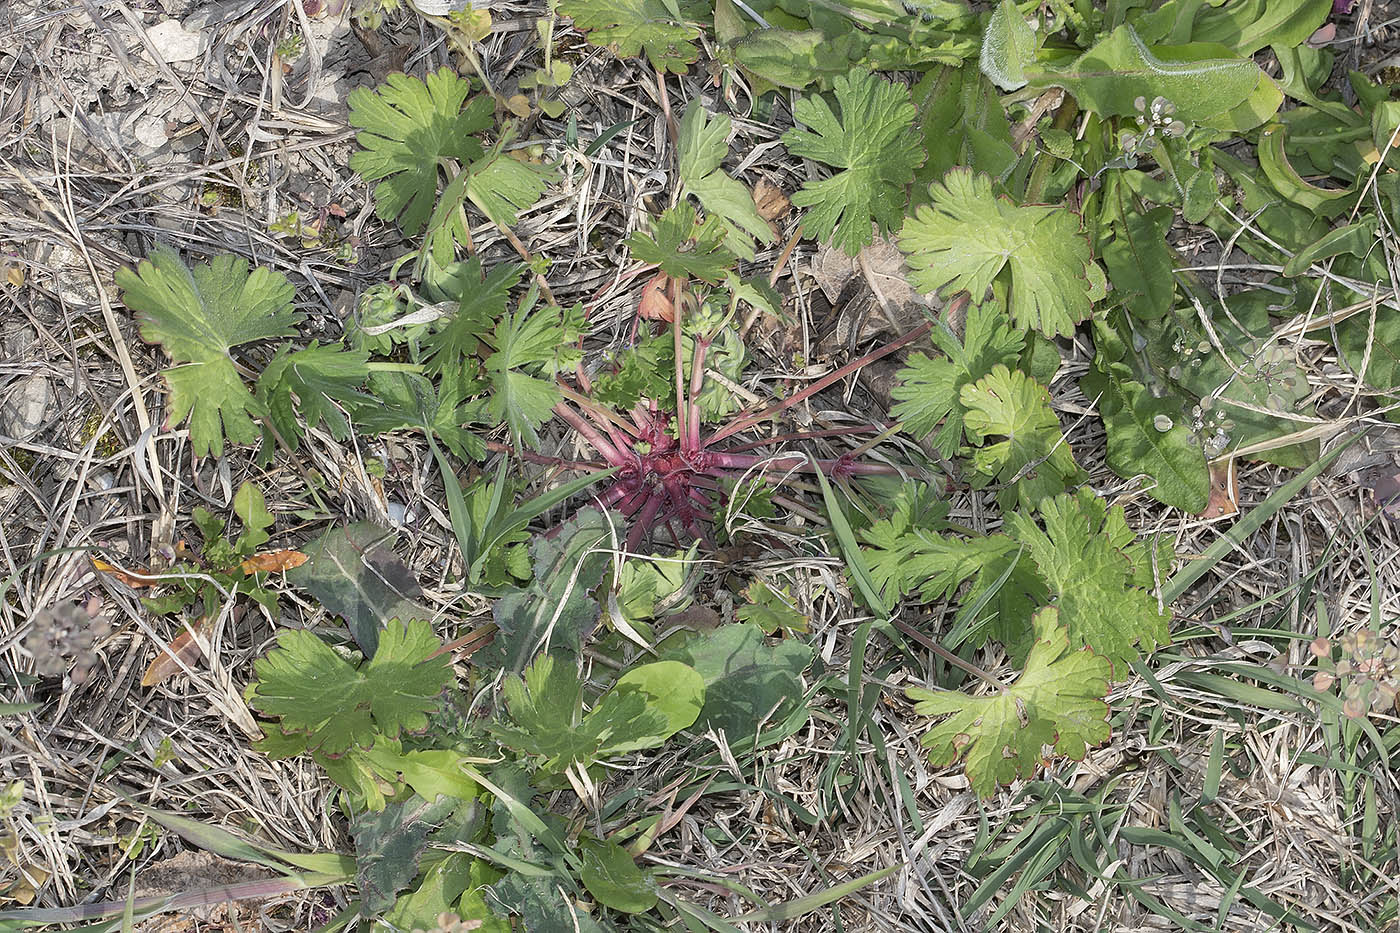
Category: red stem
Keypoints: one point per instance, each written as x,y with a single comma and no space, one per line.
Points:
742,422
590,434
681,411
697,376
643,523
803,436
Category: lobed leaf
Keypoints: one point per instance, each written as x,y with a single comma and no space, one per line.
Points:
968,237
198,315
874,146
1057,701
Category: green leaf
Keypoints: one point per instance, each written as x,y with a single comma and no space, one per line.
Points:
1140,262
1355,239
336,705
1206,82
1008,46
532,344
672,695
929,390
702,146
682,246
645,707
962,122
1150,435
310,381
388,846
771,609
501,187
633,26
483,301
251,509
874,146
545,708
611,875
746,679
1087,555
408,400
432,773
1246,26
1057,700
198,316
555,611
1033,459
969,237
408,128
907,553
354,573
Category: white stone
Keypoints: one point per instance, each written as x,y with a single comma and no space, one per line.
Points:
173,42
26,406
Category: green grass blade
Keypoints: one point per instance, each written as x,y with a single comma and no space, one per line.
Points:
1182,581
800,907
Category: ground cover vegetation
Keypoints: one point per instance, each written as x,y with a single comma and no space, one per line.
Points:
1035,165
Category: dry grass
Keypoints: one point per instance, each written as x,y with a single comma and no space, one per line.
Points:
103,476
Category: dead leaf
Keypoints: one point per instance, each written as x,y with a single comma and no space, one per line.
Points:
185,647
770,200
131,579
274,561
1224,491
654,304
23,891
832,269
519,105
1384,484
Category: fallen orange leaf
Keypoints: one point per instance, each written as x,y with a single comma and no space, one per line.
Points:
135,579
1224,491
273,561
654,305
185,647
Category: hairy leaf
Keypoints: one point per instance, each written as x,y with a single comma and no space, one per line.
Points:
310,382
969,236
633,26
1008,46
682,246
1087,555
335,705
703,144
407,128
929,392
198,315
874,146
1032,457
1057,701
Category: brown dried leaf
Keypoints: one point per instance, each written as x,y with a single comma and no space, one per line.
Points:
770,200
274,561
654,305
1224,492
121,576
185,647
